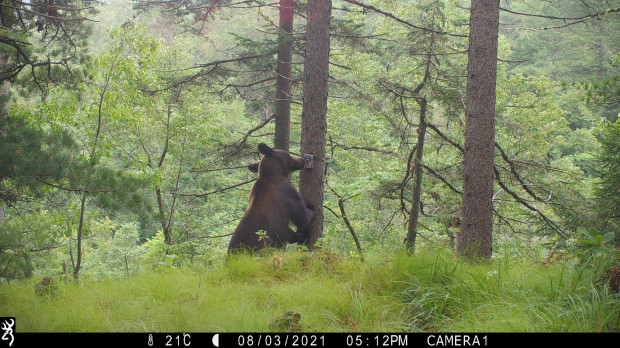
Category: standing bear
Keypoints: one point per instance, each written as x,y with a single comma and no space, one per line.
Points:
274,202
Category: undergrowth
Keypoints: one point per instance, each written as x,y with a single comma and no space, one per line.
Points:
429,291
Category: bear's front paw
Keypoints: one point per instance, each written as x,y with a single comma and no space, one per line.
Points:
310,206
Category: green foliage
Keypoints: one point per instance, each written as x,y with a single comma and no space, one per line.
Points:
605,93
30,155
583,52
594,237
43,45
16,264
608,171
112,251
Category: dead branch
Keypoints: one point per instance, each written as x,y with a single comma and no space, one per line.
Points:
402,21
243,140
435,174
365,148
233,150
588,16
523,202
220,190
446,138
343,216
515,173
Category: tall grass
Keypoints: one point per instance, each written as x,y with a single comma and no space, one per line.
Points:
443,294
428,291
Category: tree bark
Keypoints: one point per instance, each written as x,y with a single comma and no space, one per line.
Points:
5,90
314,114
165,225
162,217
78,264
412,229
283,76
477,214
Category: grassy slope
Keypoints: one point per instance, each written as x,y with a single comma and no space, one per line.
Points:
429,291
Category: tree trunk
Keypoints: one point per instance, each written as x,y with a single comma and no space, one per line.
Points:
477,220
283,76
412,229
165,225
78,264
5,90
162,217
91,168
314,114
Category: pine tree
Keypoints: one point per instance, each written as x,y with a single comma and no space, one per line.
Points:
477,216
283,76
314,114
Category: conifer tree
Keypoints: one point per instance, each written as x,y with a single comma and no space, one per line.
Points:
477,216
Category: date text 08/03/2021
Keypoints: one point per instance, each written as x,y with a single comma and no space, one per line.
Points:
360,340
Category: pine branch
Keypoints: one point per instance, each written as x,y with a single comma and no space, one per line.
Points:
402,21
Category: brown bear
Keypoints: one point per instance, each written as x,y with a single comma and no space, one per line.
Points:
274,202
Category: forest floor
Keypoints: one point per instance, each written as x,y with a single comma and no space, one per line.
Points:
430,291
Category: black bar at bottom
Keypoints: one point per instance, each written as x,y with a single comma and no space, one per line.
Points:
366,340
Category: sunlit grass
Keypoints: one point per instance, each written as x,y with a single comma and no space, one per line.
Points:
429,291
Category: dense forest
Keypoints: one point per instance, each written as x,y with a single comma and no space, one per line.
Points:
127,127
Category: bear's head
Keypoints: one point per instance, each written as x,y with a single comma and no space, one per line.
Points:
275,162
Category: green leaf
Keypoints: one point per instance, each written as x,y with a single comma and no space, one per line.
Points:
593,232
585,242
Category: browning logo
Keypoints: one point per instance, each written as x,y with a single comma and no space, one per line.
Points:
8,326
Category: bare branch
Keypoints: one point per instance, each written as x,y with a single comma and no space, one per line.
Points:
365,148
216,191
402,21
523,202
588,16
435,174
446,138
513,170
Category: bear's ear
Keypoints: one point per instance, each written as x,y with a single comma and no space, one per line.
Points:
264,149
253,167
